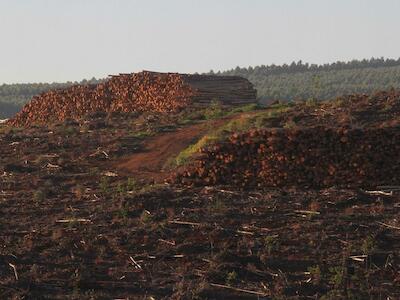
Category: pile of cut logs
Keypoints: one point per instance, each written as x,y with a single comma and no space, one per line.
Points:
145,91
309,157
230,90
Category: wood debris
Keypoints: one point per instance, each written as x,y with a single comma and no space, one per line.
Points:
145,91
311,157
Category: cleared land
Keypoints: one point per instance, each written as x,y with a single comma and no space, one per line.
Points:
77,226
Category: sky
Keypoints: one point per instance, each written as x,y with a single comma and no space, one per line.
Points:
69,40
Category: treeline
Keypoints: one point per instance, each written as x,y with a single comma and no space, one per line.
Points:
8,109
303,81
295,81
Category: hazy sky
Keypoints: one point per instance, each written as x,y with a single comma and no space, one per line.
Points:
59,40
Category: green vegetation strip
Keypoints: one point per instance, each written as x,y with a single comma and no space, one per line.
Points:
252,117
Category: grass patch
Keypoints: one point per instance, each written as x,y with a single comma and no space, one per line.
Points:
104,186
368,245
186,154
231,278
66,130
5,129
146,217
215,111
245,108
40,195
312,102
289,124
245,122
142,134
271,243
337,275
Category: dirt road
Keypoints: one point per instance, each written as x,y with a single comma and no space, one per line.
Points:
150,163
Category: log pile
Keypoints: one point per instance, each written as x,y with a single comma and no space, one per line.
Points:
145,91
313,157
230,90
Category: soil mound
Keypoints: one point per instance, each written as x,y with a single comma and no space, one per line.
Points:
145,91
350,141
380,109
314,157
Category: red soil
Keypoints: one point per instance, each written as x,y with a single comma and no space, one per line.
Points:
150,163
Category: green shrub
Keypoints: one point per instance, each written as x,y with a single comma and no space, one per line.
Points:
104,185
231,278
337,275
368,246
214,111
186,154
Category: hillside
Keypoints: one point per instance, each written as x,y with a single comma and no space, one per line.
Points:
91,216
300,81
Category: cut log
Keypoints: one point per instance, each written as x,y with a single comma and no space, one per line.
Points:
145,91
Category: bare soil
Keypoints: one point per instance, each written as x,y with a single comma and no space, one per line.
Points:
74,227
152,162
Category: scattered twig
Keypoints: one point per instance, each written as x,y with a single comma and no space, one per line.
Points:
360,258
344,242
264,286
271,273
253,228
185,223
15,270
51,166
3,193
265,229
19,232
245,232
99,152
110,174
221,191
379,193
238,290
135,264
389,187
50,155
310,212
388,225
167,242
73,221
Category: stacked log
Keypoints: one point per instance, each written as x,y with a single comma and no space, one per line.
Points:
145,91
230,90
311,157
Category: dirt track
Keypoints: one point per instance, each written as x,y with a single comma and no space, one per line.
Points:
150,163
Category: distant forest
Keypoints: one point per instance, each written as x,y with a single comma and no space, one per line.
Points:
303,81
295,81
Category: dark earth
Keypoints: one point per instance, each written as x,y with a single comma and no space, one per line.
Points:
74,225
